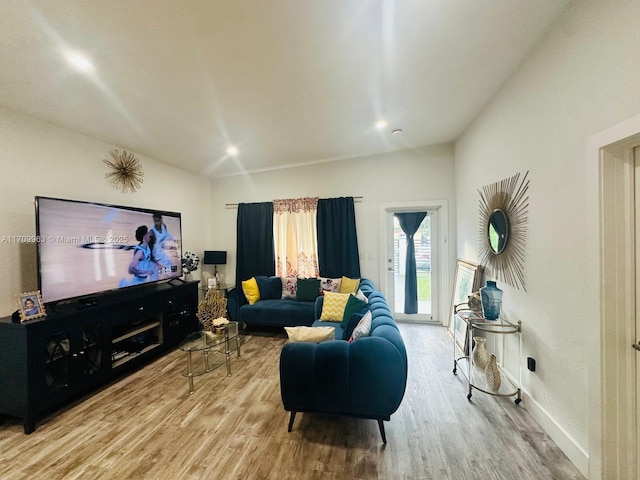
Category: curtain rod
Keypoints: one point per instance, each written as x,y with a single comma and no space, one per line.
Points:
233,205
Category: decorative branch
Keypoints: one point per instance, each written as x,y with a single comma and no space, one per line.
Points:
212,310
126,171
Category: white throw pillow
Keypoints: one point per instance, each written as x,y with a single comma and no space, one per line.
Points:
310,334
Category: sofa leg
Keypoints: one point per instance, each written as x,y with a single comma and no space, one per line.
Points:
292,417
381,426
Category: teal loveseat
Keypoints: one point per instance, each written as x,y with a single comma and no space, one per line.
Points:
274,311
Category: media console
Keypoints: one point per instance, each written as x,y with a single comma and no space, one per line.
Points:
78,347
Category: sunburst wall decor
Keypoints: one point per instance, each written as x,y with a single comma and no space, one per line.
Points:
125,171
505,259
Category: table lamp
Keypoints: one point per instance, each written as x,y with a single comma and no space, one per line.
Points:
215,258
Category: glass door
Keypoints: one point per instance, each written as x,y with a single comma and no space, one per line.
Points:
426,254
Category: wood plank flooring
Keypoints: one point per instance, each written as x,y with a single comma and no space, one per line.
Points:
147,426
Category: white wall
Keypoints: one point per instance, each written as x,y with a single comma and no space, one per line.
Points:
40,159
580,80
409,175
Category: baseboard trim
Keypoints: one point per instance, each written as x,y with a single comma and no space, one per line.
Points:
571,449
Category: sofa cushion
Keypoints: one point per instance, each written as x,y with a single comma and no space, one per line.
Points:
284,312
333,306
251,290
339,333
310,334
362,329
308,289
270,287
349,285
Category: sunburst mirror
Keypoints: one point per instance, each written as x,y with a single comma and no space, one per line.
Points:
504,209
125,171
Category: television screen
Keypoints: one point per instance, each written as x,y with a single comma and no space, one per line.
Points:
87,248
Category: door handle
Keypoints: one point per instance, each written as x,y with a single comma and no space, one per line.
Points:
636,346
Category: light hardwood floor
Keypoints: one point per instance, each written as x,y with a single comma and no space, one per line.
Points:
147,426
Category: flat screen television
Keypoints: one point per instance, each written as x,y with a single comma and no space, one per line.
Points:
86,248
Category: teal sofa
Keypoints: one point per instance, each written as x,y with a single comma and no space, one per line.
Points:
365,379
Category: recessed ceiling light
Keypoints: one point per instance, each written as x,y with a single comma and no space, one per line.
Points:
397,132
233,151
381,124
79,62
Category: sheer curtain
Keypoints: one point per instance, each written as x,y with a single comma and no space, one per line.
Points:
295,237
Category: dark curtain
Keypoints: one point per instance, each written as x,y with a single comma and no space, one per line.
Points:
337,239
410,222
255,241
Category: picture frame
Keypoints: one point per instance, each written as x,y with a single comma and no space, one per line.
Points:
467,279
30,306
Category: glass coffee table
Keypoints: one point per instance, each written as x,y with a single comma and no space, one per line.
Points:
214,348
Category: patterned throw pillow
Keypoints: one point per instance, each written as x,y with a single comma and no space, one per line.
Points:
289,287
329,285
349,285
310,334
333,306
363,329
251,290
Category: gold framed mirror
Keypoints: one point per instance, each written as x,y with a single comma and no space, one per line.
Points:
503,226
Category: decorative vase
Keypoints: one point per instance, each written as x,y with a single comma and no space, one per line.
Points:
491,297
492,374
480,354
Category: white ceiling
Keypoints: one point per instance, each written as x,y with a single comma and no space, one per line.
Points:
289,82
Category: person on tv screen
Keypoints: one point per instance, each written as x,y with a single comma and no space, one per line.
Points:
142,266
162,236
30,307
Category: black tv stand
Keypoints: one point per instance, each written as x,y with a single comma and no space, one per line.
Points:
88,302
48,363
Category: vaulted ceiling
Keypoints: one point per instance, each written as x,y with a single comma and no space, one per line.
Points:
287,82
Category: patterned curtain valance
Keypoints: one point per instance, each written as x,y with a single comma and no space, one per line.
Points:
290,205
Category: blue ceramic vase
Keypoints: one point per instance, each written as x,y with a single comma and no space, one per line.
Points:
491,297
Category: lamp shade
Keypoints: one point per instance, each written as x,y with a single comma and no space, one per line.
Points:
215,257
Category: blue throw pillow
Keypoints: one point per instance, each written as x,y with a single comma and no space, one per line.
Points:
351,325
270,287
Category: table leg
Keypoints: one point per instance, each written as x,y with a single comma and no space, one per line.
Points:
228,354
190,372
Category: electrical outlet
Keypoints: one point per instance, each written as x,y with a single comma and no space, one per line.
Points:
531,364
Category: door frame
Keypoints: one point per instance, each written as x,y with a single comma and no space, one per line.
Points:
440,263
613,376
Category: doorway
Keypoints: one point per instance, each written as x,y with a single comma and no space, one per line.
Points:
427,245
614,172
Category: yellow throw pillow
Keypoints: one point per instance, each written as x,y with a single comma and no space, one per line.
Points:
310,334
349,285
251,290
333,306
